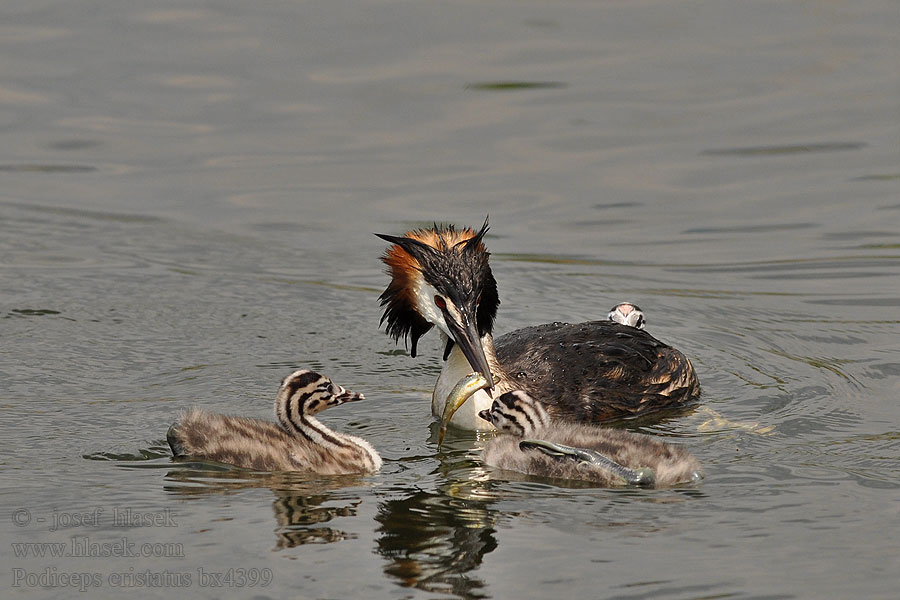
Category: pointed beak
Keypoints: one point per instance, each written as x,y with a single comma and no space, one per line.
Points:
465,333
348,396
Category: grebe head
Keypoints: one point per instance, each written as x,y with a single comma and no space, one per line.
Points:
627,313
441,276
308,393
517,413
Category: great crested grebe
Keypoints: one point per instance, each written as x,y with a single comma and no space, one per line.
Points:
299,442
565,450
590,372
629,314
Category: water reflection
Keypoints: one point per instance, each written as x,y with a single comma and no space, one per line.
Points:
433,541
298,516
301,506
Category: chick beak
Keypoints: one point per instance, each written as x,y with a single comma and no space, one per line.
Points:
348,396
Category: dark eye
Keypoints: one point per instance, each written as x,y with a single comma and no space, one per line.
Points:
440,302
640,322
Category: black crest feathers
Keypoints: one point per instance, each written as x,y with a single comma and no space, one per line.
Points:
453,261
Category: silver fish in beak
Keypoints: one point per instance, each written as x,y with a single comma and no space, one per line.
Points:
461,392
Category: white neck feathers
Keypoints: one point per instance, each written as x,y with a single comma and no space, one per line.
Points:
299,424
455,368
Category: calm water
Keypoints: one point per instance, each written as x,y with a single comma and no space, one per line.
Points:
189,192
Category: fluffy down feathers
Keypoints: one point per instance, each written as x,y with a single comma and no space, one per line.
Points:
671,464
264,446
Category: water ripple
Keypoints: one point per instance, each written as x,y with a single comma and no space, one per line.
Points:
787,149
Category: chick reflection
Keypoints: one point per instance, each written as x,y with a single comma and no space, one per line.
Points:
297,514
434,541
298,507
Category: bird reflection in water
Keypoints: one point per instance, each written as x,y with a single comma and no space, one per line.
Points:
300,501
436,540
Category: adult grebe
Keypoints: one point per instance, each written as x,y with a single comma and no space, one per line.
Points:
591,371
300,443
565,450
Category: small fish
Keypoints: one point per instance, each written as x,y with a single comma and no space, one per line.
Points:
461,392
